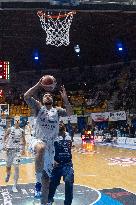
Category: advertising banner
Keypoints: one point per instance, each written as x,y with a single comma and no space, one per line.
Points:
71,118
116,116
100,117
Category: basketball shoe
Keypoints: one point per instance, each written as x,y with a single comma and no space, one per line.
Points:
38,187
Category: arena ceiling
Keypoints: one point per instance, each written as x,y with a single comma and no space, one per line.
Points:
78,2
95,31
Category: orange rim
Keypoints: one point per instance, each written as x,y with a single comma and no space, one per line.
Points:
41,13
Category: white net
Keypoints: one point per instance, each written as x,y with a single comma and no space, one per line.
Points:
56,27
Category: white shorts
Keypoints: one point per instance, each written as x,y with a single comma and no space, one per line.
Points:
12,157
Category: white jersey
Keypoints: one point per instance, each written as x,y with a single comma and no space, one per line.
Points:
13,141
47,126
46,130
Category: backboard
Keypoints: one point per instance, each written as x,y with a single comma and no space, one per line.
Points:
77,2
70,4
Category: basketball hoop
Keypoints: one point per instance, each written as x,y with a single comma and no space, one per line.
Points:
56,27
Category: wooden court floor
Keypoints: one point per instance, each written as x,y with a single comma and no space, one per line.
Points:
103,167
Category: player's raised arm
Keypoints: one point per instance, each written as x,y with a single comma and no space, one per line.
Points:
33,103
32,90
66,102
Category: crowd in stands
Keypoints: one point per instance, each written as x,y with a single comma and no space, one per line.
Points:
126,99
115,79
99,84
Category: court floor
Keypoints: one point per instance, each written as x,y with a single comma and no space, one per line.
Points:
99,168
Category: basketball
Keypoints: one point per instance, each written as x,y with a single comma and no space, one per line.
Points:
48,82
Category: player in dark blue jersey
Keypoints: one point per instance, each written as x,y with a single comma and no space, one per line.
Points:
63,166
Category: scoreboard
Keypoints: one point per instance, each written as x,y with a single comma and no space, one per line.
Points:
4,71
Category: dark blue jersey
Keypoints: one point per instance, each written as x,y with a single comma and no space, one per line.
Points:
63,149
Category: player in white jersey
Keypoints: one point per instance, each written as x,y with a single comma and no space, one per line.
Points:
14,145
46,130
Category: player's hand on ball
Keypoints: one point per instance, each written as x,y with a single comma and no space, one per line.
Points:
48,82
